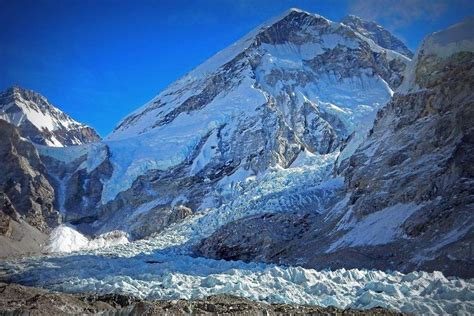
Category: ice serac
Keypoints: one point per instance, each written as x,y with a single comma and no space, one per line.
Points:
409,197
299,84
41,122
377,33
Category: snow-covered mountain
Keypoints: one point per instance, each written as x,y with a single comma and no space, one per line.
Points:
28,194
294,87
300,82
41,122
269,152
377,33
408,198
275,133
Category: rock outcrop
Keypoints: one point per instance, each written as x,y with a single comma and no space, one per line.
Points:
24,181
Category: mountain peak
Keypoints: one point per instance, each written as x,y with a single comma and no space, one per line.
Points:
290,11
293,13
298,80
297,10
377,33
40,121
18,92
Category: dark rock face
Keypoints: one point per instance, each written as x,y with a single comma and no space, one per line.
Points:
347,62
84,191
237,240
48,125
430,137
17,299
377,33
24,181
7,215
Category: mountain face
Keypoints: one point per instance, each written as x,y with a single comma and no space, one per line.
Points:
297,86
41,122
271,144
408,198
378,34
28,194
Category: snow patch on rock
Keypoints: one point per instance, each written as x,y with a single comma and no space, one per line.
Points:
378,228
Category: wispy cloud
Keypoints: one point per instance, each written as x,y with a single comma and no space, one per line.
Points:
401,13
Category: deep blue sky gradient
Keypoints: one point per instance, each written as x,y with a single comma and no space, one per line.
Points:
98,60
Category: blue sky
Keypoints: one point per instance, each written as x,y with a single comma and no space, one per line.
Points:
98,60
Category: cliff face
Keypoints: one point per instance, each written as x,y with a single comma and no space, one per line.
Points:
27,211
24,180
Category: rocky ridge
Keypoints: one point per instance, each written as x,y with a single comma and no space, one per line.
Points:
377,33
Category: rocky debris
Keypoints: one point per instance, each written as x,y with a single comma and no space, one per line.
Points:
41,122
21,239
24,180
18,299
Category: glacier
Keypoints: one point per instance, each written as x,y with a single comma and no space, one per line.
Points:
163,274
163,267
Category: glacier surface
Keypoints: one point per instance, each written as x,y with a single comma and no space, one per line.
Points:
165,275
